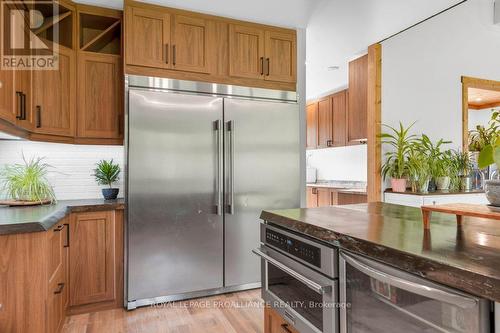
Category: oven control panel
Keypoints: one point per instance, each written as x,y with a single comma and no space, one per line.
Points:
294,247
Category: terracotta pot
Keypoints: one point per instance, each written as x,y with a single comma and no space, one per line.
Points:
398,185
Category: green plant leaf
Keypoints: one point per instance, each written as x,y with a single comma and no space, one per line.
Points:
486,157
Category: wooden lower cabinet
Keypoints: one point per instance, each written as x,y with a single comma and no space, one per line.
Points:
312,197
351,198
36,280
274,323
326,196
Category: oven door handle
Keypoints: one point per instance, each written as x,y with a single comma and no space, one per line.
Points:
309,283
423,290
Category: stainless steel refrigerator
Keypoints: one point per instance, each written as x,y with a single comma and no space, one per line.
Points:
203,161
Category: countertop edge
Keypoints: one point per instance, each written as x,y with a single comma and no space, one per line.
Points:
456,277
48,221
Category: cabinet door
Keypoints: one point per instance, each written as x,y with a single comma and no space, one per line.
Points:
351,198
312,197
23,83
189,44
147,37
274,323
324,197
312,126
92,257
246,52
56,272
100,97
281,56
358,100
339,121
324,123
54,97
9,101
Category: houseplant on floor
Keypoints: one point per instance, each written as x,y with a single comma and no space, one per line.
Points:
107,173
491,154
27,183
395,165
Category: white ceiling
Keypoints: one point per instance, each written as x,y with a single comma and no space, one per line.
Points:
285,13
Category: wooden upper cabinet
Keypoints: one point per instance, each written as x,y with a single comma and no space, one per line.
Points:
189,44
357,111
246,51
339,121
147,37
100,101
281,56
324,123
312,126
92,258
9,100
54,97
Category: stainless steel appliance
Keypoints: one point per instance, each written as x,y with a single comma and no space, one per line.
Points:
299,280
383,299
203,161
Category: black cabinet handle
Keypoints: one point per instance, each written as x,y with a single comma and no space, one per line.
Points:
268,65
328,143
67,234
20,105
23,106
60,287
174,55
38,116
166,50
285,328
59,228
261,65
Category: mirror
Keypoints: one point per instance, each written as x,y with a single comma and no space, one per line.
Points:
480,99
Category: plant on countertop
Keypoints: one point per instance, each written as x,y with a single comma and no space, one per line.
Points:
395,165
435,157
419,168
462,167
107,173
490,153
28,181
483,136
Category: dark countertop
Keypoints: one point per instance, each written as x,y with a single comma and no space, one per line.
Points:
438,192
14,220
348,187
466,258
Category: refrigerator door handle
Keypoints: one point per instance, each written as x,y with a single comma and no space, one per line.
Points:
230,130
219,172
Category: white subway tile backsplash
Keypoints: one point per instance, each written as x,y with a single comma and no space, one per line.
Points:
73,165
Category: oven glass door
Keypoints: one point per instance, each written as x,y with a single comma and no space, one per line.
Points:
379,302
297,295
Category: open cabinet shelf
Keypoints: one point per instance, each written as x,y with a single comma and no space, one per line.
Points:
57,27
100,34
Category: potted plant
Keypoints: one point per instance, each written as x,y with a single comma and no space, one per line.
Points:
419,168
463,169
107,173
395,165
27,183
434,156
442,170
490,154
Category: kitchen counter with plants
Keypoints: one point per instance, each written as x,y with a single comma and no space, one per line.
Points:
15,220
466,258
437,192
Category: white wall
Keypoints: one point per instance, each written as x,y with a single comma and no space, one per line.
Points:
289,13
340,29
339,163
421,68
72,165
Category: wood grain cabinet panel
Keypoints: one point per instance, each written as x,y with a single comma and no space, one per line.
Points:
9,107
100,105
312,197
312,126
324,197
281,56
325,123
246,51
339,118
274,323
147,37
92,257
358,100
351,198
190,44
54,97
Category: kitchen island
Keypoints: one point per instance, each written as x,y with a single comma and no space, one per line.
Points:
465,259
